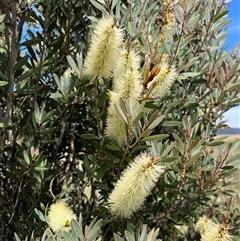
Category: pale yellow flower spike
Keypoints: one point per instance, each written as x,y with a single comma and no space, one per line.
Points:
115,128
162,81
126,78
126,85
104,48
217,232
211,231
60,216
134,186
202,224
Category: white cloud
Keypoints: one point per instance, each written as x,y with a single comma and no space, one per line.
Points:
234,29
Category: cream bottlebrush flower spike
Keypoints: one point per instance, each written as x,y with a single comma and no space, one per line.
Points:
211,231
126,75
161,82
217,232
126,85
116,127
60,216
202,224
104,48
134,186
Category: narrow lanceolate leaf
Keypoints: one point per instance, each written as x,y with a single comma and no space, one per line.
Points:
67,237
17,237
193,159
121,113
216,143
2,83
94,229
21,62
191,62
220,15
117,237
156,122
169,159
76,230
98,6
129,236
188,74
155,137
73,64
193,176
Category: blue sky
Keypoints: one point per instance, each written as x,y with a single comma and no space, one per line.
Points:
233,115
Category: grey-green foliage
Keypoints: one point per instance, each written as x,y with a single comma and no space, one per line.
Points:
90,233
140,235
53,118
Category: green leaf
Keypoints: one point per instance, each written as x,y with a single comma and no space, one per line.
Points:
152,7
31,42
56,96
22,61
233,158
193,159
28,74
89,136
188,75
216,143
172,123
26,158
167,149
156,122
67,236
129,236
2,83
76,230
191,62
122,113
143,233
101,186
117,237
193,176
220,15
146,132
137,118
4,125
179,13
193,21
87,165
113,4
48,115
27,91
227,167
94,230
227,173
208,168
155,137
98,6
221,36
16,236
73,64
2,16
169,159
113,147
40,215
40,169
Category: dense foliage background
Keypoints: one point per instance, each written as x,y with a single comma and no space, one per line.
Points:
52,142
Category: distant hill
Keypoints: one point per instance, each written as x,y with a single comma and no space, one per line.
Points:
229,131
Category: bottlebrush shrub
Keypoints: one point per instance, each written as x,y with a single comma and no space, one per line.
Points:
110,109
